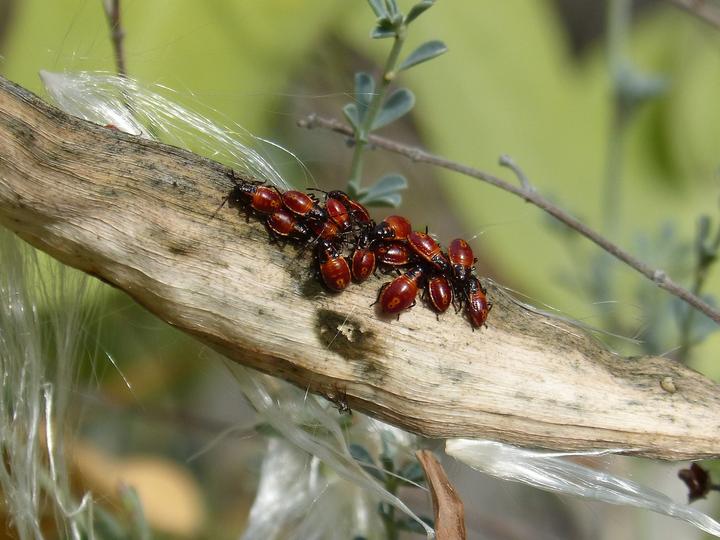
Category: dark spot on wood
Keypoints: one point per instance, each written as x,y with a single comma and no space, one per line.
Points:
180,249
345,335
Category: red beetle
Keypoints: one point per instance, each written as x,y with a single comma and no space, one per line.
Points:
284,224
357,211
392,254
338,214
400,293
391,228
325,230
334,268
363,264
440,293
461,259
262,199
476,302
303,205
429,250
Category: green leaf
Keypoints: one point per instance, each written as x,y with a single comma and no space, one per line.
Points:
351,113
364,90
378,6
362,456
399,103
418,9
426,51
392,7
385,192
384,29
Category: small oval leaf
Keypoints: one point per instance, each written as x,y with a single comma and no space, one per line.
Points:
364,90
426,51
378,6
390,201
417,10
351,113
392,7
399,103
384,29
390,183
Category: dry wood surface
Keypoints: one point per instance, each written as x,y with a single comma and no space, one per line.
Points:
137,214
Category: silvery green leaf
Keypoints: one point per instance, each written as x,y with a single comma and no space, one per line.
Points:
399,103
426,51
384,29
391,6
405,524
385,192
378,6
364,90
418,9
351,113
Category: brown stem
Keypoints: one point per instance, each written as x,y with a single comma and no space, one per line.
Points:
447,504
528,194
117,33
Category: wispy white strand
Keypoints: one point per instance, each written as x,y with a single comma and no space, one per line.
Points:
333,450
550,472
121,102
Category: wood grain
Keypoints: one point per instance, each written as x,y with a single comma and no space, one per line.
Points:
136,214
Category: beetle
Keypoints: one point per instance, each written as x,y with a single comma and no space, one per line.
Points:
334,268
440,293
357,211
325,230
400,293
461,259
363,263
284,224
390,228
262,199
477,305
429,250
337,212
303,205
392,254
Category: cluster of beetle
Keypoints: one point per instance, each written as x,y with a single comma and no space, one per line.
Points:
341,224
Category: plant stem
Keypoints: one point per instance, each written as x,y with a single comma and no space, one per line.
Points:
701,271
618,16
361,136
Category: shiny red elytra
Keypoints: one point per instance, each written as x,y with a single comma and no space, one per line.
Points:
440,293
337,212
263,199
392,254
461,258
400,293
429,250
303,205
363,264
357,211
476,302
325,230
284,224
392,228
334,268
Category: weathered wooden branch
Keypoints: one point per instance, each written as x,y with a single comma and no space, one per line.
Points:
137,215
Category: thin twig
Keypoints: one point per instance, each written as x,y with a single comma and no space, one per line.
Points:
657,276
117,33
701,9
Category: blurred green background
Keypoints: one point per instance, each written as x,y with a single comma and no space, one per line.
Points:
528,79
